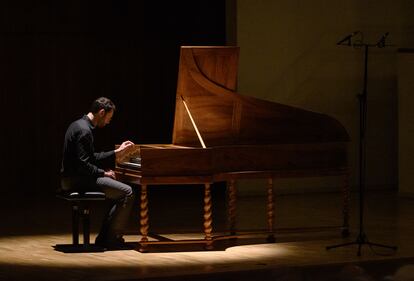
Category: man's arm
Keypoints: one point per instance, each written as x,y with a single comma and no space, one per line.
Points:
123,148
86,157
104,155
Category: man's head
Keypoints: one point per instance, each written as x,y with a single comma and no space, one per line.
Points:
102,109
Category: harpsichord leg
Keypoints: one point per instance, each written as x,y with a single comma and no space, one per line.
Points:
208,219
144,219
232,193
270,211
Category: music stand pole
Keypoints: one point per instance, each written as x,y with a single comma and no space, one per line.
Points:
362,238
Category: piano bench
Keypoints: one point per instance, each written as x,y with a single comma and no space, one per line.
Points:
80,211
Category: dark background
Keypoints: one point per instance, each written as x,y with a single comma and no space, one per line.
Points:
58,56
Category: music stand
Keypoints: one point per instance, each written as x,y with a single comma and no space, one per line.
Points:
362,238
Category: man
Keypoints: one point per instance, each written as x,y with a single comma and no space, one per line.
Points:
80,170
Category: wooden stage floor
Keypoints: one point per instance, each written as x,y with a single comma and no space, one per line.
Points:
30,231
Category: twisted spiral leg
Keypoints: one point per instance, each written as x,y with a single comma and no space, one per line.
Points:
144,218
232,206
270,210
208,220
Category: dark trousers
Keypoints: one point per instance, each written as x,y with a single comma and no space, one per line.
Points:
121,194
117,217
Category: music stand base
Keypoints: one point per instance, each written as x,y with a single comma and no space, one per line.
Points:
362,240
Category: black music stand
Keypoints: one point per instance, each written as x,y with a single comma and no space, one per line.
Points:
362,238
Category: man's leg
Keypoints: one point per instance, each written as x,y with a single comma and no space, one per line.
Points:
115,221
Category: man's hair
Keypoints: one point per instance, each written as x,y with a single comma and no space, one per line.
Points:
102,103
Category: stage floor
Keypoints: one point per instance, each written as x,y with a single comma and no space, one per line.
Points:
30,232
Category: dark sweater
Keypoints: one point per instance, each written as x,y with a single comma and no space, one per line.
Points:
79,158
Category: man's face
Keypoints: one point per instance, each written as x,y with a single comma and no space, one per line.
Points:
104,118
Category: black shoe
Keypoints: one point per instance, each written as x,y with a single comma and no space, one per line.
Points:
100,240
114,243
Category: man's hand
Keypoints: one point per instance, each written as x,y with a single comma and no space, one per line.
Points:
124,146
109,174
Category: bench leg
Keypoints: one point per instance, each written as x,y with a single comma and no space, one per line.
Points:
75,224
86,226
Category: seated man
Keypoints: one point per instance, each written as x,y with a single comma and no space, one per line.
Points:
80,171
